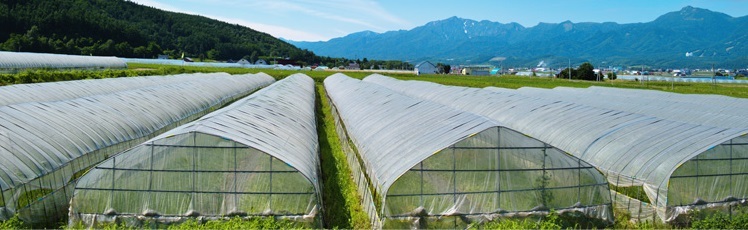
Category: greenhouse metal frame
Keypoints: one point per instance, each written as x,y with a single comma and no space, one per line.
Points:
41,159
10,61
680,166
432,166
255,158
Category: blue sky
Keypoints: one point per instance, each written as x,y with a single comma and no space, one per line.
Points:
315,20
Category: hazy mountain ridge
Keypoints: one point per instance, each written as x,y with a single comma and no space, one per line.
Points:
710,37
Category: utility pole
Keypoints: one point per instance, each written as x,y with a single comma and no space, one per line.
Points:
569,69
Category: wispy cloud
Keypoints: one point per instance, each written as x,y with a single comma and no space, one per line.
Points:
274,30
366,13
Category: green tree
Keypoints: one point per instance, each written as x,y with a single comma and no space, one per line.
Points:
566,72
213,54
123,49
140,51
586,72
153,49
253,56
612,75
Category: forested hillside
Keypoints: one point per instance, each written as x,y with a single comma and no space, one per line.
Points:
125,29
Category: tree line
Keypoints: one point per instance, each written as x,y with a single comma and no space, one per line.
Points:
585,71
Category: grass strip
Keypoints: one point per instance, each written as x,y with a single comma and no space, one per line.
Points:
340,198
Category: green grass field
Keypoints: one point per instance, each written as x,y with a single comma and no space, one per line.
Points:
341,202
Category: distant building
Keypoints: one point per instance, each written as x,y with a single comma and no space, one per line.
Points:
456,70
353,66
425,67
261,62
477,70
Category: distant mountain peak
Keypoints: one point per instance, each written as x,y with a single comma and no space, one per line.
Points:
450,20
690,13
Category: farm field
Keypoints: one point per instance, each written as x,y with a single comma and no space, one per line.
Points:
340,199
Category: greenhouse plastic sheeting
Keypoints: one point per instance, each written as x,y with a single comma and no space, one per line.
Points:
20,60
256,157
41,158
63,90
632,149
429,162
721,111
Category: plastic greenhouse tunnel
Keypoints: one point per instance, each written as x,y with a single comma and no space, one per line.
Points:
63,90
21,60
41,160
661,169
711,110
254,158
431,166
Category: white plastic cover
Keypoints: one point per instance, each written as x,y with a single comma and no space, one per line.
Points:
632,149
21,60
46,145
257,156
424,158
384,125
712,110
63,90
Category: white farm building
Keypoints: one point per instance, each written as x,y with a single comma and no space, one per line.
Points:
425,67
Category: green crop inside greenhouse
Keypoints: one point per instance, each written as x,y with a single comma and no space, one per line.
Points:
435,167
256,157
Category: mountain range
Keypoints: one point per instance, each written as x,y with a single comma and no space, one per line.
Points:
689,38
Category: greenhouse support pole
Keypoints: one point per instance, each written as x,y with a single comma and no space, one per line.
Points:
421,197
194,166
698,173
498,167
657,198
114,172
236,190
454,175
579,179
44,206
150,177
270,194
731,173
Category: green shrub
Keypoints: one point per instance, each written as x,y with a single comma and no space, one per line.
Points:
716,219
237,223
552,221
13,223
612,75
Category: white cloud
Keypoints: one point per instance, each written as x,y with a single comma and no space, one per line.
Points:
274,30
345,14
365,13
